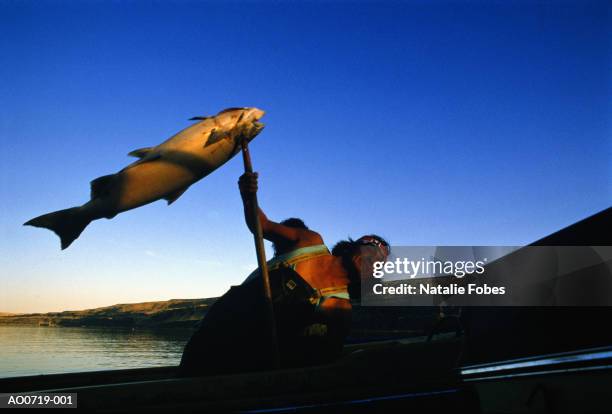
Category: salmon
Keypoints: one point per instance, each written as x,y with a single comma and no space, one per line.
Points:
165,171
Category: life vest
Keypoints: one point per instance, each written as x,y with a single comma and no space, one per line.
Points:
290,286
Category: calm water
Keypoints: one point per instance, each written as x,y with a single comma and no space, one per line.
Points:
31,350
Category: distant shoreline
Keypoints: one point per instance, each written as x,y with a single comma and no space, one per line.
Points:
166,314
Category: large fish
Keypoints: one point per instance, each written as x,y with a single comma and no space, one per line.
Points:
165,171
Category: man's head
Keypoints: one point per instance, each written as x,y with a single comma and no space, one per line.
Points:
371,249
282,247
358,257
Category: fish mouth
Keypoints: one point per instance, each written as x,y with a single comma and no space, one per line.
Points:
253,124
257,128
257,124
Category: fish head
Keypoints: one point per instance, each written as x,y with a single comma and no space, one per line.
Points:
250,122
244,121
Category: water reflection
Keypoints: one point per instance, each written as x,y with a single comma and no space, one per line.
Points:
32,350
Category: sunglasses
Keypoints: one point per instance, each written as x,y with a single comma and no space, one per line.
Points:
371,241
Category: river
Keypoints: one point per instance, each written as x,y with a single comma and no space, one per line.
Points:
32,350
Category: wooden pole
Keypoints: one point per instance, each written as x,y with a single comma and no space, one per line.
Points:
261,258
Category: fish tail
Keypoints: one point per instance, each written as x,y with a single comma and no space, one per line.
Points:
68,224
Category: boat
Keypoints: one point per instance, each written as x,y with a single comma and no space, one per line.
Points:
492,360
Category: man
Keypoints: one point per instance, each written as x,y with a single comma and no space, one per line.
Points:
310,293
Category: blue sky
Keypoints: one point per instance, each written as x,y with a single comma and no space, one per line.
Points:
440,123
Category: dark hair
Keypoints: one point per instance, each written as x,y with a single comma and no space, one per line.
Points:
295,223
282,246
345,248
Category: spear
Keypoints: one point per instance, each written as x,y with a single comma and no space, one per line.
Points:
261,257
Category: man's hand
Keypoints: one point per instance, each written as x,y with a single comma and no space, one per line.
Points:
248,183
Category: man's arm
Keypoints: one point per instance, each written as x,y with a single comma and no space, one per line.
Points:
271,230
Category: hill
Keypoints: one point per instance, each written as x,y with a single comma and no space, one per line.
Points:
171,313
367,322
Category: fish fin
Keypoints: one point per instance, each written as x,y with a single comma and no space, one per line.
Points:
215,136
172,197
151,156
68,224
230,109
140,152
198,118
100,187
